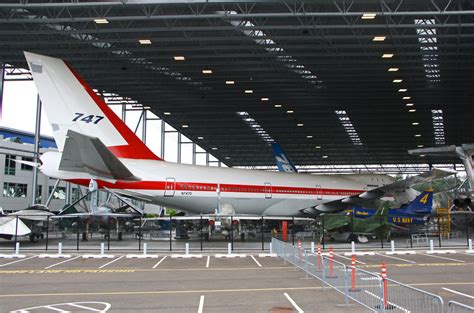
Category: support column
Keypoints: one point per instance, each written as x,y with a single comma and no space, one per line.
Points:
162,152
179,147
144,126
194,153
36,149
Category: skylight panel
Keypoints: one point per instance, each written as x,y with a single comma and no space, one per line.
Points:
252,123
438,126
261,38
427,37
349,127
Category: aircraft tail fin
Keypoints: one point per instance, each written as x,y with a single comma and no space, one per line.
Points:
70,104
423,204
283,162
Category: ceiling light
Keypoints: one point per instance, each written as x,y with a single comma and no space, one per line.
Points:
101,21
387,55
207,71
249,91
412,110
406,98
179,58
318,147
147,108
214,148
277,105
227,157
300,124
402,90
415,123
393,69
420,146
397,80
418,135
229,82
264,99
185,126
368,16
290,111
422,155
167,113
309,136
200,138
379,38
325,156
410,104
145,41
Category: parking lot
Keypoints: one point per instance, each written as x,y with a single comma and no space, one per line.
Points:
210,284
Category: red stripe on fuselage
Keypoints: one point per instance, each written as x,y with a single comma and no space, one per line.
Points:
224,188
135,149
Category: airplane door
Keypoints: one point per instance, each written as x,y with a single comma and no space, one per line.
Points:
319,192
170,187
268,191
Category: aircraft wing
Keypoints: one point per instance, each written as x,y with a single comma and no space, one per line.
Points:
333,223
367,198
439,151
72,215
10,227
88,154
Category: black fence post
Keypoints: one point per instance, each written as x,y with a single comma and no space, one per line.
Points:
467,230
171,233
411,237
140,234
231,233
47,232
439,232
200,223
381,230
78,223
322,237
108,237
263,235
16,232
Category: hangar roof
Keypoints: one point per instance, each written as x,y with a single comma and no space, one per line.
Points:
334,82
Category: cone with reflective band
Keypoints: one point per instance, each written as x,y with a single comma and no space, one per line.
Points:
353,276
331,256
299,248
385,288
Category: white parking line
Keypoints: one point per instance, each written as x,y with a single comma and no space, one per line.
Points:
159,262
458,293
396,258
208,260
391,303
34,256
344,257
53,265
201,304
442,257
293,303
259,265
114,260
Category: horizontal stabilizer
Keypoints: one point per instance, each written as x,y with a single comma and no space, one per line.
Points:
11,226
88,154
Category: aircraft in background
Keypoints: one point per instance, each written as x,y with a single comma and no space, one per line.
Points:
349,228
29,221
466,153
95,145
415,213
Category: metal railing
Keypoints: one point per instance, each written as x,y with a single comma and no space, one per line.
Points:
456,307
366,288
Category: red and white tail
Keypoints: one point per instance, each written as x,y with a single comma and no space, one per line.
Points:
70,104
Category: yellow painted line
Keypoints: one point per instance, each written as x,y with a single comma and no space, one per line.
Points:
158,292
134,270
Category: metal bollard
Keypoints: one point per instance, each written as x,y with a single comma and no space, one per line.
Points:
17,248
392,245
144,248
431,245
102,248
229,248
187,248
353,248
60,248
470,244
312,247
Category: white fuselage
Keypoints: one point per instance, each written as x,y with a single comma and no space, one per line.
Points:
200,189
